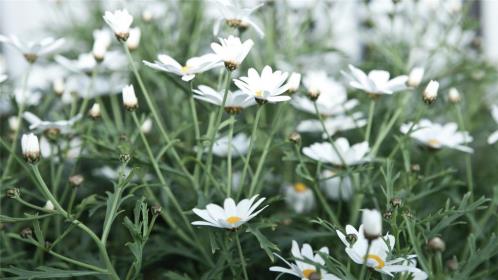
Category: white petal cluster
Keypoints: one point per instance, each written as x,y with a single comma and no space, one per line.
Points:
119,21
294,82
377,82
134,39
35,49
235,102
236,16
85,63
345,155
193,66
372,223
101,42
430,92
267,87
333,124
30,147
130,100
38,125
415,77
232,51
336,187
240,145
299,197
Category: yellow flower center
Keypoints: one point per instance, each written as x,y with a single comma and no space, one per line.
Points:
233,219
380,262
184,69
307,273
259,93
300,187
434,142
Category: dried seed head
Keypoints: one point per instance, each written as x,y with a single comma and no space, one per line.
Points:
156,210
396,202
26,233
232,110
388,214
124,158
13,193
436,244
295,137
76,180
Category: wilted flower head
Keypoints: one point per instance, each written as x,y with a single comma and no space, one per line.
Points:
348,155
235,101
33,50
193,66
120,22
30,147
130,100
235,16
232,51
376,82
266,87
430,92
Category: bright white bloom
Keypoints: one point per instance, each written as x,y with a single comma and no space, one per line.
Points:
240,145
120,22
101,42
231,216
377,255
333,124
235,102
33,50
84,64
430,92
38,125
437,136
134,39
94,111
302,268
376,82
493,138
294,82
146,126
266,87
336,187
30,147
3,78
232,51
415,77
130,100
351,155
49,206
299,197
235,16
372,223
193,66
14,123
453,95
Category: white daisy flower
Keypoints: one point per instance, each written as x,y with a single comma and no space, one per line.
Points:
240,145
28,97
232,51
302,268
336,187
231,216
120,22
377,257
193,66
38,125
33,50
299,197
494,136
351,155
376,82
134,40
85,63
3,78
437,136
235,102
266,87
235,16
333,124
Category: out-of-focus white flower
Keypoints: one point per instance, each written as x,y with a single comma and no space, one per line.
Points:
71,149
333,124
33,50
351,155
101,42
146,126
3,78
302,268
336,187
437,136
193,66
232,51
130,100
372,223
235,102
231,216
120,22
27,97
299,197
84,64
94,111
49,206
454,95
58,86
378,253
134,39
30,147
493,138
266,87
235,16
376,82
415,77
430,92
240,145
59,127
14,123
294,82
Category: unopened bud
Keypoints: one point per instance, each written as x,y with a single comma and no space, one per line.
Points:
147,15
26,233
388,214
95,111
313,94
13,193
436,244
430,92
293,82
14,123
415,77
30,148
146,126
156,210
130,101
396,202
452,264
76,180
30,57
351,238
124,158
454,95
58,86
295,137
49,206
134,38
372,224
415,168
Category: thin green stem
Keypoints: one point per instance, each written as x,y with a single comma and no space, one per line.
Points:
241,255
86,98
229,156
116,111
371,111
365,260
468,158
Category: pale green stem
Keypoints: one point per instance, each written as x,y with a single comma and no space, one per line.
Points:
229,156
468,158
241,255
88,90
371,111
116,111
365,260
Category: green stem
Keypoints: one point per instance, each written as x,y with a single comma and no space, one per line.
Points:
241,255
86,97
370,119
116,111
468,158
364,266
229,156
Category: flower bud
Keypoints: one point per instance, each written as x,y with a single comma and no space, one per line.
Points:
436,244
134,38
14,123
120,22
30,147
294,82
76,180
430,92
147,15
313,94
124,158
49,206
99,50
372,224
454,95
58,86
26,233
129,98
94,111
30,57
295,137
156,210
415,168
415,77
396,202
388,214
13,193
146,126
452,264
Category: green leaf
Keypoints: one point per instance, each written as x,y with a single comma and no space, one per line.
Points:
265,244
45,272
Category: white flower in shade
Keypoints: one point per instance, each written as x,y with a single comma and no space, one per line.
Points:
14,123
30,147
33,50
58,85
232,51
134,39
146,126
299,197
101,42
351,155
333,124
193,66
84,64
332,97
336,187
415,77
437,136
454,95
493,138
57,127
237,17
49,206
376,82
70,149
294,82
130,100
377,257
120,22
235,102
240,145
3,78
231,215
94,111
28,97
372,223
430,92
303,266
266,87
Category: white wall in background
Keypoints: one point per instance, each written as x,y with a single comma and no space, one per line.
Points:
489,12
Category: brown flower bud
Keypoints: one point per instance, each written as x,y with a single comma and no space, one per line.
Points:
26,233
76,180
156,210
436,244
295,137
13,193
396,202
